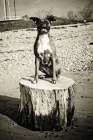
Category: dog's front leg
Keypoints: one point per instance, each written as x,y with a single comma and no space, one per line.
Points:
37,62
54,71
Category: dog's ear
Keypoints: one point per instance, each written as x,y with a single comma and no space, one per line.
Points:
35,19
51,18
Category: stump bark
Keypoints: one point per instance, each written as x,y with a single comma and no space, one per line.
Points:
46,106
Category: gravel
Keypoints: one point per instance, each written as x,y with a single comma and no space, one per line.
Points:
73,46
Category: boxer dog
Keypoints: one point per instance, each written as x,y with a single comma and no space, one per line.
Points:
44,50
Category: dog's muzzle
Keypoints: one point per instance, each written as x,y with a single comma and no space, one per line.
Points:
43,30
43,27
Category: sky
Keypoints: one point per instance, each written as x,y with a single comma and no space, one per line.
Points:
32,7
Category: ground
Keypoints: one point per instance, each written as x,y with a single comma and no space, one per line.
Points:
17,61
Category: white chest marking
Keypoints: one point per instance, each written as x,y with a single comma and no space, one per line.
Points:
43,44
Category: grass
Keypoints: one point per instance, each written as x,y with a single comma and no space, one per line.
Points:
22,24
15,25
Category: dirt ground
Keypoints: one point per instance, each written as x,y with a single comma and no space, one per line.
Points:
9,101
10,76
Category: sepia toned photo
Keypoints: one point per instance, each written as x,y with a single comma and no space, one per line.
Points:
46,69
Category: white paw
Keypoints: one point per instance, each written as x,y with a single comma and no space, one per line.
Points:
54,81
34,82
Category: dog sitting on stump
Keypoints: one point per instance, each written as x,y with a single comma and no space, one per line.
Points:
44,50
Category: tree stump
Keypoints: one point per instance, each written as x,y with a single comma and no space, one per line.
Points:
46,106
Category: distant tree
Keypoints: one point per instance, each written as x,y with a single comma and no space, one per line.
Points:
49,13
40,13
87,11
25,17
72,16
44,13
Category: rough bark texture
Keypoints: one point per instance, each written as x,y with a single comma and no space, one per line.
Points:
44,107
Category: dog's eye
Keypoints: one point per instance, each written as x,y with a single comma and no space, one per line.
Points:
47,22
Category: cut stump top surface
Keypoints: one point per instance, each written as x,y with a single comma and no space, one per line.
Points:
62,83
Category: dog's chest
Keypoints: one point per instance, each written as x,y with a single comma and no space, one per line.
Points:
44,44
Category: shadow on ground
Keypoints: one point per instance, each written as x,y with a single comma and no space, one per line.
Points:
9,107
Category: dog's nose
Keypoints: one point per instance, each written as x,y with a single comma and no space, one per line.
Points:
44,25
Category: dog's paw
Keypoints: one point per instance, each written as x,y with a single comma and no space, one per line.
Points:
54,81
34,82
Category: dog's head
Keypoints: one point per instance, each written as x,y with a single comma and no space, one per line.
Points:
43,25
